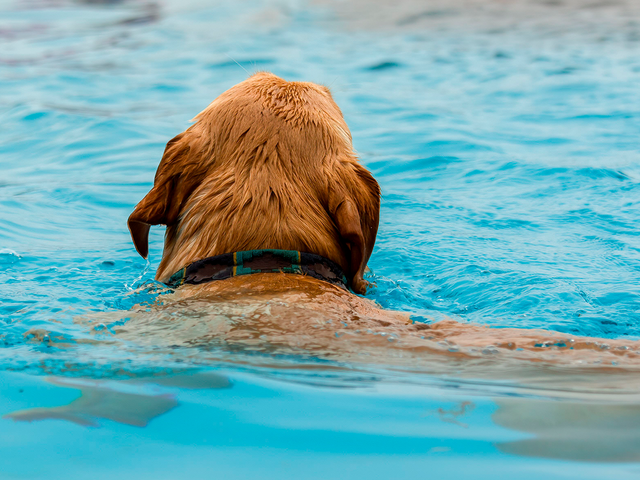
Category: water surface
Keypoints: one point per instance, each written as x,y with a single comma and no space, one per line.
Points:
505,140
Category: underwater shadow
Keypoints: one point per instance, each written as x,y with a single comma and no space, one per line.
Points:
572,430
100,400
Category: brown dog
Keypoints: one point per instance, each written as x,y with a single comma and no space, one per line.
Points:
268,165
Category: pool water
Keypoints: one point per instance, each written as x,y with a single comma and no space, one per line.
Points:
505,137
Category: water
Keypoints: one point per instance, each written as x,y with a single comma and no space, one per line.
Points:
505,140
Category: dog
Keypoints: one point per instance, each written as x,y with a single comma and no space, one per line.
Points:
271,221
268,165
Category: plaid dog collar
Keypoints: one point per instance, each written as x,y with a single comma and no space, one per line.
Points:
229,265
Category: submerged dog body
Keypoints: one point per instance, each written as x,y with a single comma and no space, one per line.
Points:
268,165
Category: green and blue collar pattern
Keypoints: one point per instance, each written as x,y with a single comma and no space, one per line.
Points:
227,265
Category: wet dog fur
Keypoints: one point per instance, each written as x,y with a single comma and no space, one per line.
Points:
268,164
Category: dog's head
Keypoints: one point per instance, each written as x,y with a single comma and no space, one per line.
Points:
268,164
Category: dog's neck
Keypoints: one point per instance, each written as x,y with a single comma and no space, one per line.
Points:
221,267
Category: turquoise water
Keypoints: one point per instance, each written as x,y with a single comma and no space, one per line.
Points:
508,159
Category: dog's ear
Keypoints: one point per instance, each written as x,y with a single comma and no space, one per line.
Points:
354,205
179,173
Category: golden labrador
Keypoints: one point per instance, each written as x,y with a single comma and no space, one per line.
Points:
268,165
270,222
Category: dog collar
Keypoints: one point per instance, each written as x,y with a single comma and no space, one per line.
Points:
227,265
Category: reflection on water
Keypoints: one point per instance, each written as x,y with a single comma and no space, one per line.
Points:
104,400
97,403
505,138
586,430
454,415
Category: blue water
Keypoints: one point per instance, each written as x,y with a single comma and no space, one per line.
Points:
508,160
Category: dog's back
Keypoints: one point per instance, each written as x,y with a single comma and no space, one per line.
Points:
269,164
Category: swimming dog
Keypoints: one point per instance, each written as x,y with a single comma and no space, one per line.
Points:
271,220
269,165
